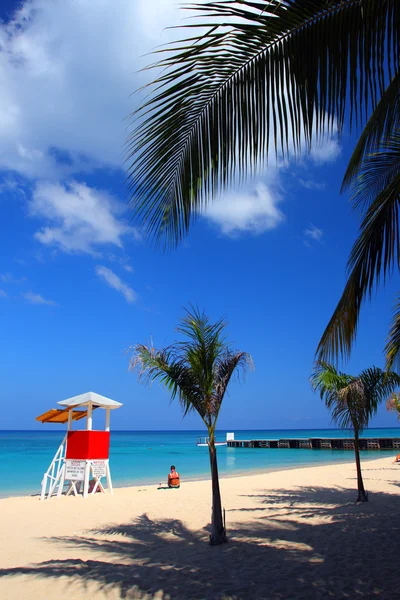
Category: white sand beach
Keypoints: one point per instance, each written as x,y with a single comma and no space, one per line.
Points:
292,534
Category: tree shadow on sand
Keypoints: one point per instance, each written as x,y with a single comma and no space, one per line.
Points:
306,543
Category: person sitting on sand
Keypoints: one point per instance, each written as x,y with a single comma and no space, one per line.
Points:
173,478
397,459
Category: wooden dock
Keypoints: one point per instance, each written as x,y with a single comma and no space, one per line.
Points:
320,443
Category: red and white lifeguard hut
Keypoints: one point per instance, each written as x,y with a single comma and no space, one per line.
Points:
82,460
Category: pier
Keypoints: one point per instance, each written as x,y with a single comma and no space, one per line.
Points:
319,443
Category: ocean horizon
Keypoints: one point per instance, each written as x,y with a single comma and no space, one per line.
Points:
143,457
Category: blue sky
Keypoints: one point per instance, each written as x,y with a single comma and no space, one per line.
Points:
78,284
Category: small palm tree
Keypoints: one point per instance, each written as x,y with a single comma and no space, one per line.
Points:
353,400
198,371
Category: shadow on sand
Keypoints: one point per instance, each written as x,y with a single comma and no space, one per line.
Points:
308,543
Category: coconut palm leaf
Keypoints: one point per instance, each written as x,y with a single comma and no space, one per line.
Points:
254,77
384,120
376,251
167,367
392,348
331,384
378,385
207,343
196,370
352,400
229,363
378,169
326,379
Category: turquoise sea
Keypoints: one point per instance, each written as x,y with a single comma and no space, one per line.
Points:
144,457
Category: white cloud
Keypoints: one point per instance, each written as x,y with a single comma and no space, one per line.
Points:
80,218
116,283
253,210
11,185
67,72
129,268
310,184
10,278
67,76
325,151
3,294
314,233
66,86
38,299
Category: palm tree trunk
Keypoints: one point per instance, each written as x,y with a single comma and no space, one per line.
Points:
362,495
218,534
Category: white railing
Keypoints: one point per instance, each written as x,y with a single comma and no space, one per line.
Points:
202,441
54,476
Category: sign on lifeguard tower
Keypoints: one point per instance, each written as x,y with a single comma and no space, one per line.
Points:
81,461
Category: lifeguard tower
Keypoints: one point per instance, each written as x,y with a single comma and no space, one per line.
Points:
82,459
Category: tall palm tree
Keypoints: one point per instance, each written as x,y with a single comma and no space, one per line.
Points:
353,400
197,370
256,76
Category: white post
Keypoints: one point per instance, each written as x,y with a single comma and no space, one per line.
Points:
87,477
109,482
44,486
69,419
89,417
62,479
108,419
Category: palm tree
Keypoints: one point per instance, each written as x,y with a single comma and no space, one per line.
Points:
197,370
353,400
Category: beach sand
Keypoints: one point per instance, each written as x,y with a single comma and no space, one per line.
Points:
294,534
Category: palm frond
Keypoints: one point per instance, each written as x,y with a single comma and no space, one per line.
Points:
207,342
326,379
378,170
352,400
226,365
326,376
374,255
341,414
392,348
253,76
167,367
384,120
378,386
196,369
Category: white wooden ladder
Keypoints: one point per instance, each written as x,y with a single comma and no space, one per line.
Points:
53,479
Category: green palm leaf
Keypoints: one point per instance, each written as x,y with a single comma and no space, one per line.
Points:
196,370
376,251
383,122
254,77
392,349
352,400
